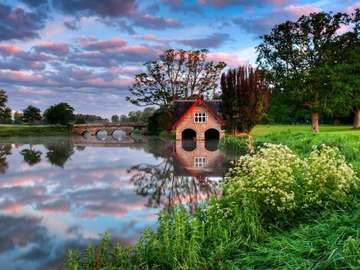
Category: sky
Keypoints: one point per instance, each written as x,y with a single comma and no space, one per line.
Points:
86,52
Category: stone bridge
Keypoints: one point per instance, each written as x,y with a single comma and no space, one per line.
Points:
93,129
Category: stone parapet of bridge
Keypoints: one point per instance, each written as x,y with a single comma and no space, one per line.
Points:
93,129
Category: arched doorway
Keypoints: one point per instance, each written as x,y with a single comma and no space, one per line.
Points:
188,139
212,137
188,134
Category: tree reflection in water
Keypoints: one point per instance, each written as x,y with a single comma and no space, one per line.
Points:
172,182
31,156
5,150
59,153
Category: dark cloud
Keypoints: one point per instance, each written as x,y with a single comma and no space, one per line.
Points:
213,41
14,58
104,8
258,26
155,22
72,24
20,232
245,3
35,3
16,23
59,49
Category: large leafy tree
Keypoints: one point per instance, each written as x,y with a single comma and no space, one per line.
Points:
294,54
5,111
61,113
245,98
345,69
31,115
176,74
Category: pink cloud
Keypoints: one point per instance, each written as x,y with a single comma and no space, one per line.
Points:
53,48
9,49
299,10
232,60
94,44
19,76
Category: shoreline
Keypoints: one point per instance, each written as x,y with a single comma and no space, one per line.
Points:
33,130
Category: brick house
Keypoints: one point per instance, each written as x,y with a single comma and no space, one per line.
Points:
198,119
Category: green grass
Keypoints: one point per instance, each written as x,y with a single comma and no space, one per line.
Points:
263,130
332,241
32,130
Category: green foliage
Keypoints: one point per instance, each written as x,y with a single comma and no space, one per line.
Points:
176,74
135,116
234,146
115,118
161,120
330,242
284,185
245,98
31,115
296,56
5,111
32,130
31,156
61,113
18,118
89,118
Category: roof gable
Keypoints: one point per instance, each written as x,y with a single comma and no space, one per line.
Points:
213,107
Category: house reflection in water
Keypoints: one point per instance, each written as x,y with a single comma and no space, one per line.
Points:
202,169
199,159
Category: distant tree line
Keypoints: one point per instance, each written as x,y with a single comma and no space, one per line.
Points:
89,118
134,116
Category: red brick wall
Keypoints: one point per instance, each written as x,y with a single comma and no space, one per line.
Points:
200,128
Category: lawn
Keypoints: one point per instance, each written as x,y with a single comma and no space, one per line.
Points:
32,130
262,130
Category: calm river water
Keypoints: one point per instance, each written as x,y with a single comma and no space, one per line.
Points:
59,193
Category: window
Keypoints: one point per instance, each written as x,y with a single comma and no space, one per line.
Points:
200,162
200,118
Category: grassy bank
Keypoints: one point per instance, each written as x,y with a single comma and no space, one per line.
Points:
294,207
32,130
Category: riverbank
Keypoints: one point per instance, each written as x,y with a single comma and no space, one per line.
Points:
240,230
33,130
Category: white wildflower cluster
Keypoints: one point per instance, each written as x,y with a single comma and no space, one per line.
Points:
280,180
327,176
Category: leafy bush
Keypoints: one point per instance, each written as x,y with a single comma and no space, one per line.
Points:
280,182
327,177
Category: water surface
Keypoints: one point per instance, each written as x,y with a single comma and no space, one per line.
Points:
60,193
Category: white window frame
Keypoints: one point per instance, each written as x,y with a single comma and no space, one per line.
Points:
200,117
200,162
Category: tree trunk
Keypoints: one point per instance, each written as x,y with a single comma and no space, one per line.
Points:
357,118
315,122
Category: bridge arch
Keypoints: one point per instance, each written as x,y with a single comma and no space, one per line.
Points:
118,134
86,133
101,134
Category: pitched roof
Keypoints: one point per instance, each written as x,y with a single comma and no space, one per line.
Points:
182,107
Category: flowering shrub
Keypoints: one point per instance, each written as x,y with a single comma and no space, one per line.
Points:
280,181
269,175
327,177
